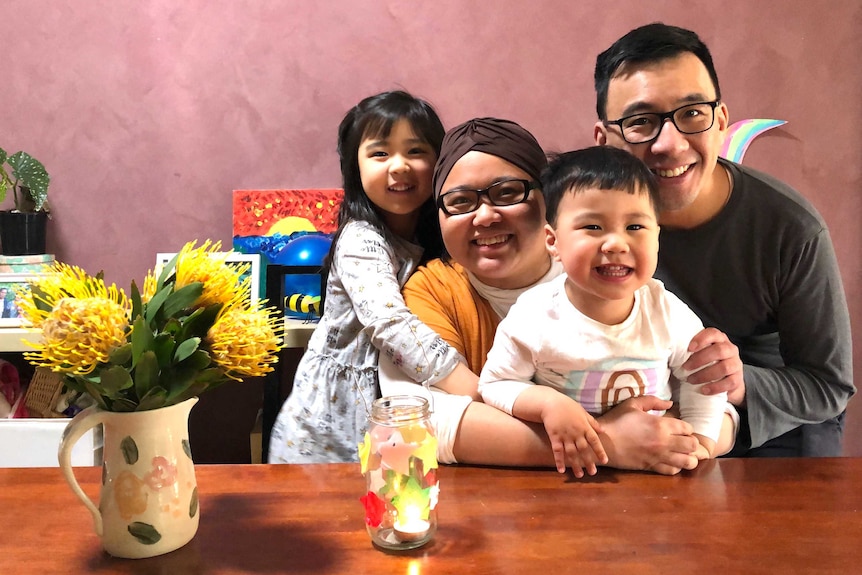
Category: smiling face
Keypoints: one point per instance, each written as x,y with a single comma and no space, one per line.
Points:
502,246
396,173
607,241
692,189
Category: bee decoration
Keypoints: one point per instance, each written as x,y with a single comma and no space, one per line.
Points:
300,303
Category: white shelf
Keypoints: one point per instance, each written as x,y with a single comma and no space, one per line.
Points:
13,338
297,332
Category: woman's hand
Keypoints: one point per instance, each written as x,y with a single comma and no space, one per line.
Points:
635,439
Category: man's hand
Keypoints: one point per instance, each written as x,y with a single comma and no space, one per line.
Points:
634,439
713,349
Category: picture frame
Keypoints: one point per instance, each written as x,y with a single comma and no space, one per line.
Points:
14,286
297,291
233,258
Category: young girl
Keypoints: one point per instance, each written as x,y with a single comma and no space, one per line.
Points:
387,225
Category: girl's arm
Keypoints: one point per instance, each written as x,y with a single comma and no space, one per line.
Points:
371,272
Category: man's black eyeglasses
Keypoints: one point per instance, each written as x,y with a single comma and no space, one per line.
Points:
689,119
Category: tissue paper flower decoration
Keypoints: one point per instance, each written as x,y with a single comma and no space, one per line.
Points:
374,508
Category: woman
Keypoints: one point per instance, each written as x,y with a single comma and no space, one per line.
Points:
492,220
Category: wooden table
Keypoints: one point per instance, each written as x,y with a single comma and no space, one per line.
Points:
728,516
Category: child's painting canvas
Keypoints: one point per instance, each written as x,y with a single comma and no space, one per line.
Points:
289,228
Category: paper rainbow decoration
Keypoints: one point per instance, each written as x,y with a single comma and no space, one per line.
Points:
740,135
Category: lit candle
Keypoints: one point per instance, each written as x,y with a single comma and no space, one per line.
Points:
412,530
410,526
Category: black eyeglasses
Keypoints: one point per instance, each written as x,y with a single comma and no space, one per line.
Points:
689,119
502,193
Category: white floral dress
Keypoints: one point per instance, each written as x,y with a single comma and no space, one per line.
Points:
326,415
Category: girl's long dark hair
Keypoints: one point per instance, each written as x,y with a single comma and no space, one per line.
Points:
374,117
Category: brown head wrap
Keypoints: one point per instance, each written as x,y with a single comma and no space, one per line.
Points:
500,138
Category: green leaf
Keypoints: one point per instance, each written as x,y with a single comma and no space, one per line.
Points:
173,327
177,382
197,361
193,390
183,298
186,348
75,383
94,393
114,379
137,303
212,375
142,339
123,405
31,174
187,449
155,398
129,449
152,307
144,533
146,373
167,272
4,177
200,322
121,355
193,504
163,346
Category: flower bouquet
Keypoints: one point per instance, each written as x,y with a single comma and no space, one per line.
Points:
188,329
145,358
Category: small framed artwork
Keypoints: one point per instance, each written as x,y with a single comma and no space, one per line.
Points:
297,290
233,258
14,287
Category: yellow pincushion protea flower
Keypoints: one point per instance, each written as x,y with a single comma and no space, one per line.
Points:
149,288
245,342
188,330
82,320
207,266
80,334
64,281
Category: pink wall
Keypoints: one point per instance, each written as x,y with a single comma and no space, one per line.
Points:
148,114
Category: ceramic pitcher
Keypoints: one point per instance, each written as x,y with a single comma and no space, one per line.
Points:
149,500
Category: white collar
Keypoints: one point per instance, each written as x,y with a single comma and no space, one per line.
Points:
502,299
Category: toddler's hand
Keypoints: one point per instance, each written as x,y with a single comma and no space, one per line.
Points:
574,437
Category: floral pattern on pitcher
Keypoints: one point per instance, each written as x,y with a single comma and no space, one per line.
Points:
131,493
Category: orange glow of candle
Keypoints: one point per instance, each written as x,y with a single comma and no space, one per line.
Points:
410,526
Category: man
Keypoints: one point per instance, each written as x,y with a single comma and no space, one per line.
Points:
4,308
747,253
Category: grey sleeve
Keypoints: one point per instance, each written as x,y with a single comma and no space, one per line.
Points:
367,268
816,380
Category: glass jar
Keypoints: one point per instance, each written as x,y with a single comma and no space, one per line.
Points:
399,461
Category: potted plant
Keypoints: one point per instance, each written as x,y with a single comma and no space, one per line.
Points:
23,228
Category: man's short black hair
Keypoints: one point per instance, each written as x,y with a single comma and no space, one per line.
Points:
651,43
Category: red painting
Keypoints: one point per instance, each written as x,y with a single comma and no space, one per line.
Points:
283,212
